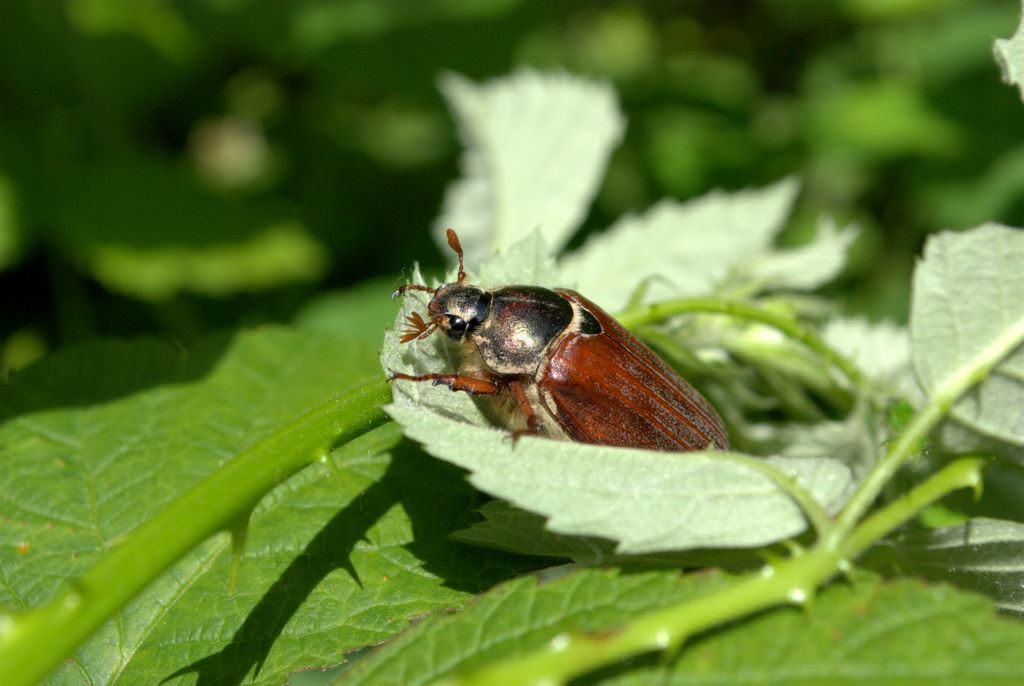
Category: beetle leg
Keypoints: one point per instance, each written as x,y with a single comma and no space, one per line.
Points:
412,287
457,382
532,420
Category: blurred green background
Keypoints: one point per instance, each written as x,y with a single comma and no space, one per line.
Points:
179,167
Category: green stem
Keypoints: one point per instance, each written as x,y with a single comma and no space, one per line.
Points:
570,655
965,472
940,402
808,369
34,643
646,314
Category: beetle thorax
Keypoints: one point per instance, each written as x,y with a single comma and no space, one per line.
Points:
522,323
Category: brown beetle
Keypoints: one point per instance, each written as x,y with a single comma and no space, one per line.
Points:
555,364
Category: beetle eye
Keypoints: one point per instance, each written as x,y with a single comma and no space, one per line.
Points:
457,324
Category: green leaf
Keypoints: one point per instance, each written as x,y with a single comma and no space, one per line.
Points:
1009,54
948,49
991,192
867,633
11,230
98,439
873,121
968,315
685,249
147,228
157,23
983,555
278,255
520,615
361,312
536,148
872,11
318,26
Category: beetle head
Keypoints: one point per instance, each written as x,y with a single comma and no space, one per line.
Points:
456,308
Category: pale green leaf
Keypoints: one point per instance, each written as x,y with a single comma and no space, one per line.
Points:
509,528
645,501
984,555
1009,54
536,148
804,268
968,305
953,437
527,261
685,249
854,440
881,350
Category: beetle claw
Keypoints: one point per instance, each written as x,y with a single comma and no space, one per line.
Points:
530,430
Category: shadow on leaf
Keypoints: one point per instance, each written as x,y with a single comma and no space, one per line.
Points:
433,494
